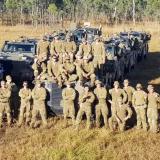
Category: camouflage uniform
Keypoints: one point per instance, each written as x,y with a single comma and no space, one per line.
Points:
69,48
117,93
139,102
101,107
42,54
25,94
39,96
68,96
86,71
152,111
99,55
120,115
85,49
68,71
86,100
129,90
57,49
5,94
14,100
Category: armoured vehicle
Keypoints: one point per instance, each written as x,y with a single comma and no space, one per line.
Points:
85,32
17,57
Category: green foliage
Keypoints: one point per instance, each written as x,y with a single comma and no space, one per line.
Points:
11,4
52,9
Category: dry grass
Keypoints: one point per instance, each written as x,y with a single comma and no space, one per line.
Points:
57,143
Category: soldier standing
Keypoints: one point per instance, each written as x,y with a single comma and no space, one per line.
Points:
152,112
25,95
57,49
5,94
99,55
129,90
14,100
116,93
85,49
39,96
86,100
69,48
42,54
101,107
120,115
139,102
68,98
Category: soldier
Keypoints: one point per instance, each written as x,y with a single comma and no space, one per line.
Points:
129,90
57,48
101,107
86,100
85,49
14,100
68,98
68,71
152,112
43,53
139,102
25,95
120,116
99,55
116,93
69,48
39,96
86,71
5,94
54,70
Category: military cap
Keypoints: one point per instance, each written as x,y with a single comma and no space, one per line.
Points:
138,85
68,37
98,82
68,83
126,81
38,82
116,83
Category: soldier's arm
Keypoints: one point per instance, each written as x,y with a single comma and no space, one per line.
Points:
80,49
89,49
52,49
124,96
8,94
21,94
103,53
64,94
129,111
92,98
43,95
38,49
133,99
73,96
30,95
74,48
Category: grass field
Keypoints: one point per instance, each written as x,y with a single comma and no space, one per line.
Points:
58,143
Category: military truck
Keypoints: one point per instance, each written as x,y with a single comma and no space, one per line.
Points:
17,57
85,32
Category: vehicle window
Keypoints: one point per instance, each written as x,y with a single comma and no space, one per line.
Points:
18,48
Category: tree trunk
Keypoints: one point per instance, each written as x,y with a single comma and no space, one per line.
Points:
134,12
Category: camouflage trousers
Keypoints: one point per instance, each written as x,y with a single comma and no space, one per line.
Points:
39,109
84,109
113,123
102,109
69,110
24,112
152,115
5,109
141,117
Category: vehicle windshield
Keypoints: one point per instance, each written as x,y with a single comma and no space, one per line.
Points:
22,48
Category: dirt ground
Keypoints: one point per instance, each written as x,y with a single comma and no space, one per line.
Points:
59,143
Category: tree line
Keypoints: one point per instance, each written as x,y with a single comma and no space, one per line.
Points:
49,12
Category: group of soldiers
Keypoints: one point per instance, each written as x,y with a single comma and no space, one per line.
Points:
115,106
111,108
62,61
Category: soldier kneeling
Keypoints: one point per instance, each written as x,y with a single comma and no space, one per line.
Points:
120,115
